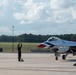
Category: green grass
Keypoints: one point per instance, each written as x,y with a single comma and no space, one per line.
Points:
27,47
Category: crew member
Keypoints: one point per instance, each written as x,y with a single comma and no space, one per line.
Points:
19,46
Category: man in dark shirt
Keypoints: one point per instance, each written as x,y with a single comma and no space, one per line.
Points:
19,46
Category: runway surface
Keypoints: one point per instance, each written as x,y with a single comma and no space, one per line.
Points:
36,64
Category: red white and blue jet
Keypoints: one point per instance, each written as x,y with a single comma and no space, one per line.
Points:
59,46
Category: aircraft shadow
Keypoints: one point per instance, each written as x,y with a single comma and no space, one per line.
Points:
71,60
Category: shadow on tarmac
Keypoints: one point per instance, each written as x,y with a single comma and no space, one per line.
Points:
71,60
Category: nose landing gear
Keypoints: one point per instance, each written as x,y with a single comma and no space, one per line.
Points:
57,55
56,58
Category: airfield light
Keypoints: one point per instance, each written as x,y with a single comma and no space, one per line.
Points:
12,38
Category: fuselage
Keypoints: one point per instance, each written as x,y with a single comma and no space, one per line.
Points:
58,45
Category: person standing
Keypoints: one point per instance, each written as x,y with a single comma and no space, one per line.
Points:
19,46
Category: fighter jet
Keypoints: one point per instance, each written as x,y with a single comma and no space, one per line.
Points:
59,46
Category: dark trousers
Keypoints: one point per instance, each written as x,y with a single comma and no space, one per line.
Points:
19,54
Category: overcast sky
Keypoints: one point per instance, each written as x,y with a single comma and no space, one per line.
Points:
37,17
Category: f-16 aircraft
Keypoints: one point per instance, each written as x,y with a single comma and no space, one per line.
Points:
59,46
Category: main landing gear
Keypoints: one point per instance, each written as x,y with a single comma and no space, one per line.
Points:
64,57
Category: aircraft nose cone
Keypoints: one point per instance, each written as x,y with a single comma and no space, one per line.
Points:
41,46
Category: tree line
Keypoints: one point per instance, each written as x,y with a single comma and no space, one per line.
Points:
35,38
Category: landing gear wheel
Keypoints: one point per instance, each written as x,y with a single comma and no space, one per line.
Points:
56,58
64,57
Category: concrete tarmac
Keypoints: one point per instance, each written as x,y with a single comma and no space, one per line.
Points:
36,64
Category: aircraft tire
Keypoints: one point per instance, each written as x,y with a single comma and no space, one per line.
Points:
56,58
64,57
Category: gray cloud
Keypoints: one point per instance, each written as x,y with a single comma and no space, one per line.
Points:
44,16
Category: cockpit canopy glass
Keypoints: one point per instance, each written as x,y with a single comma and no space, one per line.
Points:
53,39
